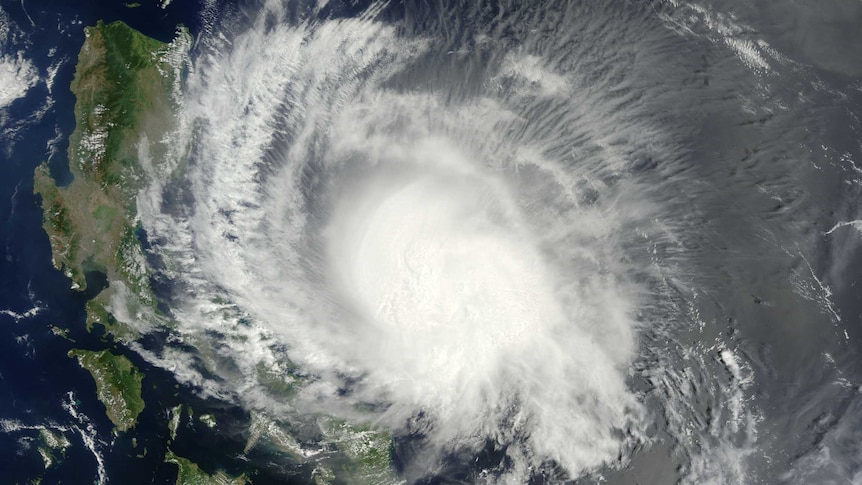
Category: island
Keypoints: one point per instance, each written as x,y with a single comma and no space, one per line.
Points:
190,473
124,84
128,96
118,385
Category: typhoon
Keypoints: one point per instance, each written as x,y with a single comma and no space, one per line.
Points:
456,260
487,231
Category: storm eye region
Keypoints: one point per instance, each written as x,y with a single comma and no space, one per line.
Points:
439,267
451,302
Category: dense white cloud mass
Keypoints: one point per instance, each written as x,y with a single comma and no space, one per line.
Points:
406,244
464,268
17,74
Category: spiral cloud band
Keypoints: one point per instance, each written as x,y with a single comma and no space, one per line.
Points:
461,268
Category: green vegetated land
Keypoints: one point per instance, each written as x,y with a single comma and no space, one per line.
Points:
370,451
118,385
190,473
123,107
124,83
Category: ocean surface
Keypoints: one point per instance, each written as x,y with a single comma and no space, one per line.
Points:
534,241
